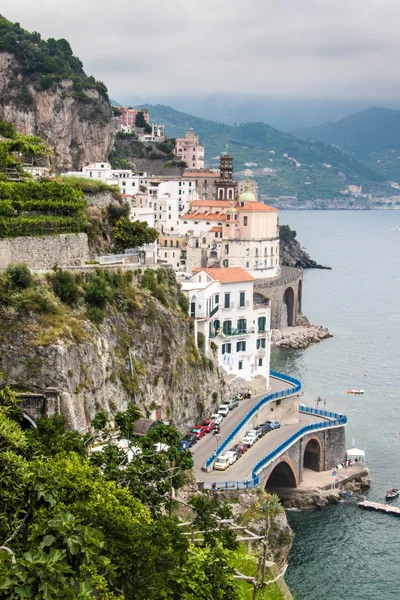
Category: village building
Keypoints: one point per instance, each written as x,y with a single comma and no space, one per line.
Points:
190,151
234,320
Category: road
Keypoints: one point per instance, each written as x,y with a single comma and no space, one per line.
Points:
242,468
206,446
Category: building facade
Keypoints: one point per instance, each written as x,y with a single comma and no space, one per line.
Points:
234,321
128,115
190,151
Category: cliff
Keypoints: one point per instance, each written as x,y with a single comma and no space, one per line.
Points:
292,254
139,346
45,92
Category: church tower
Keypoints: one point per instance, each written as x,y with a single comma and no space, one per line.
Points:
226,188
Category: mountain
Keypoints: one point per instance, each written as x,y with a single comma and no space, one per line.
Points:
44,91
372,136
281,163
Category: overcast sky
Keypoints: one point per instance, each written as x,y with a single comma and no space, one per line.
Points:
328,48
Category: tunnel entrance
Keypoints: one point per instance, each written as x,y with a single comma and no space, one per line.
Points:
281,477
312,455
287,319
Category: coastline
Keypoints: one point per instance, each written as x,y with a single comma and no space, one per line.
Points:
298,337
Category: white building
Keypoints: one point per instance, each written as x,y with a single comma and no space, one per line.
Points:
230,315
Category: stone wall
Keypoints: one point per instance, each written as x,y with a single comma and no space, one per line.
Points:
44,252
333,448
290,283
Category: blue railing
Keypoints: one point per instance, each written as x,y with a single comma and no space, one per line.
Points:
269,398
334,422
336,419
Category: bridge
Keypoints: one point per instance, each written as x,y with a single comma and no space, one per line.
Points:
307,439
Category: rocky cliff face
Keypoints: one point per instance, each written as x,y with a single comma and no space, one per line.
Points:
293,255
79,129
144,352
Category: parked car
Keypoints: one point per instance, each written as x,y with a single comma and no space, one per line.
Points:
255,433
249,440
217,418
191,438
222,463
232,456
199,431
273,424
209,424
184,445
263,429
234,403
236,451
242,448
223,410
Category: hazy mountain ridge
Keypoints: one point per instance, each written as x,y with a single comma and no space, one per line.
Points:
308,169
372,136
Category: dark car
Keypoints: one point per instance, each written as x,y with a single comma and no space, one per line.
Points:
240,448
209,424
187,442
199,431
263,429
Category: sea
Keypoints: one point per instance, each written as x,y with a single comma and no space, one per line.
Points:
343,552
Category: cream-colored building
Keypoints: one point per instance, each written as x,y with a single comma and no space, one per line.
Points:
190,151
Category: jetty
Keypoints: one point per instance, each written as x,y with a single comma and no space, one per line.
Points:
385,508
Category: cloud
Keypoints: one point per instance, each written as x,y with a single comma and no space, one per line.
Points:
305,48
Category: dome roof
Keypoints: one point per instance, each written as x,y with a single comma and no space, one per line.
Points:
247,197
231,209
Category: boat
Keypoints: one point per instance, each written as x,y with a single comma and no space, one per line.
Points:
393,493
355,392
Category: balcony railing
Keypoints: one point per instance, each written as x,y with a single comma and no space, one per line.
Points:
234,332
214,310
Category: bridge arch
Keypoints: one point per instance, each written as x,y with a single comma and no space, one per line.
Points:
299,296
283,475
312,457
288,312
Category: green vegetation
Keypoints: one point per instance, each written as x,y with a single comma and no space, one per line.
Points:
128,151
43,63
89,186
322,171
86,525
286,234
18,148
38,208
131,234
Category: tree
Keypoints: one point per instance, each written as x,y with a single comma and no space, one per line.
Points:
65,287
140,120
131,234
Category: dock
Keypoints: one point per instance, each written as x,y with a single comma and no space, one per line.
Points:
385,508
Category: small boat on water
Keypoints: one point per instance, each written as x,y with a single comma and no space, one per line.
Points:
393,493
355,391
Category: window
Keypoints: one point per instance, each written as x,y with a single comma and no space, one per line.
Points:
173,255
171,243
261,343
225,263
247,264
165,243
244,221
262,321
240,365
240,346
166,254
216,299
169,207
216,234
265,251
177,244
197,244
169,216
180,183
242,325
260,362
242,298
226,348
226,248
228,217
227,300
180,192
227,327
256,251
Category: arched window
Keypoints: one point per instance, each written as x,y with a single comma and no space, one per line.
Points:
204,241
221,195
230,194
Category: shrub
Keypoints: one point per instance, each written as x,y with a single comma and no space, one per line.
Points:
95,314
159,293
32,299
115,212
98,293
183,302
65,287
20,276
214,347
201,340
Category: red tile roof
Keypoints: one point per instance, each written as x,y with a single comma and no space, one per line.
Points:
257,207
228,275
211,203
216,228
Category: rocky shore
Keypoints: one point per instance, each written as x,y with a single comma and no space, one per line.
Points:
298,337
293,255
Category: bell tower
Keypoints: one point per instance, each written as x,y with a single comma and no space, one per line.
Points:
226,188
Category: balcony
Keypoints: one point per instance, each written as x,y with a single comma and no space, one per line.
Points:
234,333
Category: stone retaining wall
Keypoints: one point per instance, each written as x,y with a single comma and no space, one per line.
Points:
66,249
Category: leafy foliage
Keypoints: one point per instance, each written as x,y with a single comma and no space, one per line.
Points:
131,234
286,234
45,62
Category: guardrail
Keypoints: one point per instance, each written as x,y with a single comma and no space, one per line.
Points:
336,420
269,398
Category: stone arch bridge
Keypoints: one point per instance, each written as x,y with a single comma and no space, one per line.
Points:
285,293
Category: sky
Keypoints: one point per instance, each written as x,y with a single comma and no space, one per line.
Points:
190,48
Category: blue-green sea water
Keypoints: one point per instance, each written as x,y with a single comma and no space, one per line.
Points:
343,552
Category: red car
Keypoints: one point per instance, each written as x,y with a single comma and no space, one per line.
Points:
240,448
199,431
209,424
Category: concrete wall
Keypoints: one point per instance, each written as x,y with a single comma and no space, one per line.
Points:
45,252
275,291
